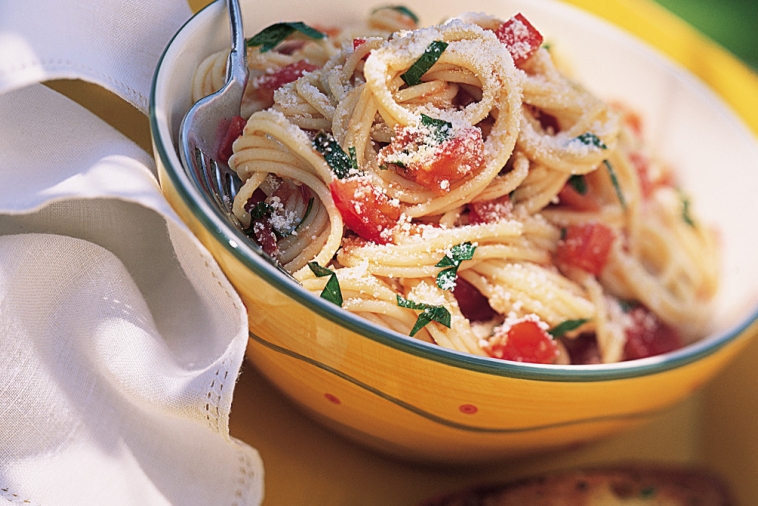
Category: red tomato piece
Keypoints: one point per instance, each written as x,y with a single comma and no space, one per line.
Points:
490,211
586,246
473,304
648,336
642,166
230,134
266,84
520,37
358,43
526,341
450,161
366,210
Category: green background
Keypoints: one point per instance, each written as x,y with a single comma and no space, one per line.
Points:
731,23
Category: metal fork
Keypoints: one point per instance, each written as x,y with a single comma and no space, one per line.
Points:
205,123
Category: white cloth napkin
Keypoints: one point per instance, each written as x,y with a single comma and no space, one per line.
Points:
120,338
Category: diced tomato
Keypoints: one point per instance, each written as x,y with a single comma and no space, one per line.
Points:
633,121
266,84
230,134
490,211
585,246
526,341
648,336
520,37
358,43
473,304
366,210
642,166
450,161
570,197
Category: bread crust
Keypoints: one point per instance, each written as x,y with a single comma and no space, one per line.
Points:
629,485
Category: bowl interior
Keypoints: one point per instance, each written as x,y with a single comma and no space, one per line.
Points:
715,156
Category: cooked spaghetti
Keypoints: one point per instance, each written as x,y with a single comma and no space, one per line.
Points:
451,183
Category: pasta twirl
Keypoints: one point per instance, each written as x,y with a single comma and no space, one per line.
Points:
460,188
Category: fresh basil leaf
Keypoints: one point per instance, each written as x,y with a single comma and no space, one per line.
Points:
686,216
578,183
318,270
567,326
442,129
590,139
616,185
462,251
306,213
353,158
446,279
260,210
429,313
401,9
331,291
458,253
333,153
451,262
446,261
271,36
433,51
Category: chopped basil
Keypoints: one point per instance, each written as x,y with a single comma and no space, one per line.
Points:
260,210
331,291
590,139
318,270
578,183
353,158
433,51
567,326
271,36
340,162
401,9
441,129
616,185
686,216
306,213
451,261
429,313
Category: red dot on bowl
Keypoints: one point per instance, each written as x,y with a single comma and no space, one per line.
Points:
332,398
468,409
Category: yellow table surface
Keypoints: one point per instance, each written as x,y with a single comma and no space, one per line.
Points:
306,464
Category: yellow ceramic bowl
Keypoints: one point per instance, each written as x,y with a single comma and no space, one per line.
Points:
419,401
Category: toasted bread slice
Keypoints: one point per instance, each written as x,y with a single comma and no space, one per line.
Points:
618,486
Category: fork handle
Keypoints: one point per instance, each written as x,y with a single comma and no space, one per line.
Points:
236,68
